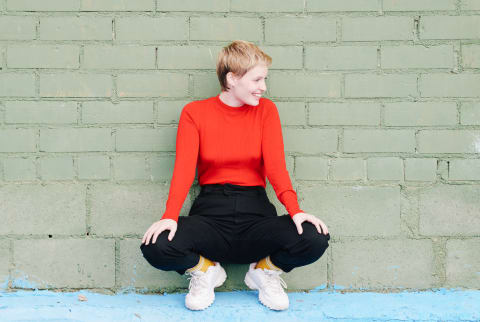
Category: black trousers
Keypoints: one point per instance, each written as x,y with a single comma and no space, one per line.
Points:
235,224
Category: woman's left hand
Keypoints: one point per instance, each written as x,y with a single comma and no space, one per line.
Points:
300,217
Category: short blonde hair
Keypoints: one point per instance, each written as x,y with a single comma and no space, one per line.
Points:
239,57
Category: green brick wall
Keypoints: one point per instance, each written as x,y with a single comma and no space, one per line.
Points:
379,102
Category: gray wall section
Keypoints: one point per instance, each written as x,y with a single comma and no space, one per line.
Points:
379,102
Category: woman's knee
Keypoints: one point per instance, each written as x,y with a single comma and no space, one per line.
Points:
154,252
315,242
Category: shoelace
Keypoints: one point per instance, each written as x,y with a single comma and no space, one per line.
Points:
274,281
197,281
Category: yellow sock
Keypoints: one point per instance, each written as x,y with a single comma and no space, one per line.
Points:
266,263
203,265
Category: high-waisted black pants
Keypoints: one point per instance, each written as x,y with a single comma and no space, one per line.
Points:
235,224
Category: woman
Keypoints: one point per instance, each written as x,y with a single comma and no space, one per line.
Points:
235,139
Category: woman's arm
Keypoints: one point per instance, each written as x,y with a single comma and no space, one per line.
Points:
274,160
187,146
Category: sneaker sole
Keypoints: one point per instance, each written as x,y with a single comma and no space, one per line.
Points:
253,286
222,277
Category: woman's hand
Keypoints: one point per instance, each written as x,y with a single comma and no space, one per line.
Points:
300,217
156,229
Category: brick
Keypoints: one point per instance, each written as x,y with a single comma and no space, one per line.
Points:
76,28
344,113
291,113
343,169
130,168
187,57
17,28
377,28
466,169
75,139
448,85
420,114
134,207
135,271
296,278
304,85
470,5
48,263
57,168
71,84
34,112
3,54
284,57
94,167
342,5
225,29
5,263
418,5
420,169
311,168
373,85
372,264
119,57
151,28
300,140
471,56
207,85
470,113
59,209
44,5
385,168
122,112
114,5
17,140
341,57
449,27
449,141
43,56
193,5
463,261
377,140
160,84
267,5
16,84
161,139
450,210
161,168
355,210
168,112
300,29
17,169
417,56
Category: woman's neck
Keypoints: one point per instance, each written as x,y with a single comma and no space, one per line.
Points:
230,100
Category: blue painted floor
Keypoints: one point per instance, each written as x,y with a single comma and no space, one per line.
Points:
438,305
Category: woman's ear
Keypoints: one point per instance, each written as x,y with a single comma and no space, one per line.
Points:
231,79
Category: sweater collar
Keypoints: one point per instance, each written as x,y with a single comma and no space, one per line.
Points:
231,108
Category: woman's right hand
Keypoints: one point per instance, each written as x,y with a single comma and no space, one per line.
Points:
156,229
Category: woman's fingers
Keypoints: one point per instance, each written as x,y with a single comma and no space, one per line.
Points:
172,233
324,227
146,237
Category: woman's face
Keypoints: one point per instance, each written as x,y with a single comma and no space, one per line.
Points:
249,88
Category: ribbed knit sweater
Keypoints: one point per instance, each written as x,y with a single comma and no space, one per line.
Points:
236,145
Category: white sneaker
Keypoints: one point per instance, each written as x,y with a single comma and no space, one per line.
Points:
269,285
201,289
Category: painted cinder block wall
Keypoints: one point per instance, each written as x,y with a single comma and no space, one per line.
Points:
379,102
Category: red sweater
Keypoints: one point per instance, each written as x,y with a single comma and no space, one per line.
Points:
237,145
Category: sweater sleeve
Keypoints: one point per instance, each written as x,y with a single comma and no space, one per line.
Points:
274,159
187,146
